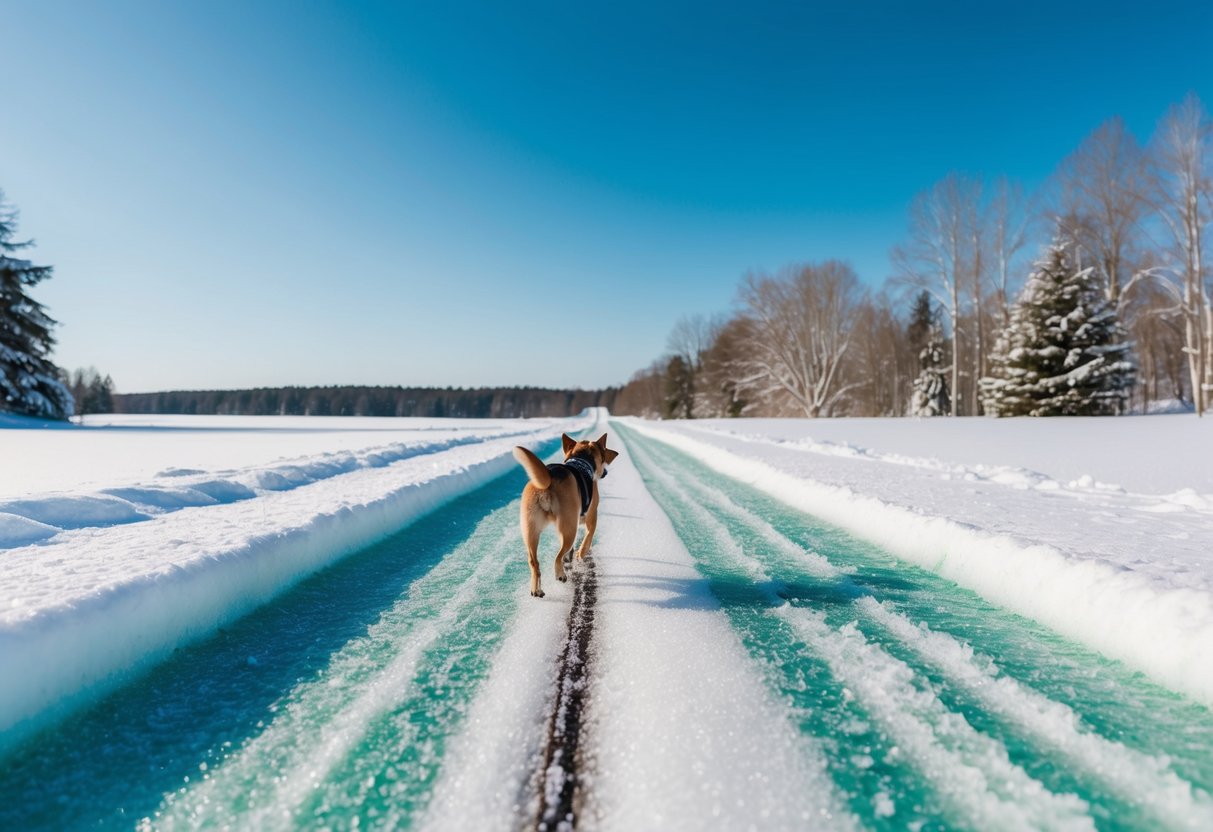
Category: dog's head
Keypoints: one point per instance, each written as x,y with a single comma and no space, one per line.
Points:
596,452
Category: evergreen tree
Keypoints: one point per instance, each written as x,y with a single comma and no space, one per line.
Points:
679,389
29,382
930,396
1064,352
92,392
918,332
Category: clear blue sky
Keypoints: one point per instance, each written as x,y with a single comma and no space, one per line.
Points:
265,193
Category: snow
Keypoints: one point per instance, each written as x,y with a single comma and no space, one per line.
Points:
1098,528
489,766
100,584
666,744
1052,724
971,771
674,748
151,533
112,450
1156,454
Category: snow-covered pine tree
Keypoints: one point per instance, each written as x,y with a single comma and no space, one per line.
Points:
1064,352
930,396
29,383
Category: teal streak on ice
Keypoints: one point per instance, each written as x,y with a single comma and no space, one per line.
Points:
331,704
872,654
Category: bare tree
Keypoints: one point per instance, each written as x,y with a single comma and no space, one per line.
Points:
802,322
942,255
722,367
883,363
690,340
1183,199
1157,329
1102,200
1008,220
644,394
691,337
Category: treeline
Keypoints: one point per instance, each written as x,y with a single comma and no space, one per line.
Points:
450,402
1121,223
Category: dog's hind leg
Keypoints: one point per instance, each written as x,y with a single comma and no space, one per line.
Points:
530,536
568,536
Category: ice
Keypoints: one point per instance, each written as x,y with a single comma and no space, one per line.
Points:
130,575
1051,724
1126,573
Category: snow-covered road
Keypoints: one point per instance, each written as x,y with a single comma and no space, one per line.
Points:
732,662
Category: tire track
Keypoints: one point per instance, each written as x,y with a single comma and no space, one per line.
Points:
560,795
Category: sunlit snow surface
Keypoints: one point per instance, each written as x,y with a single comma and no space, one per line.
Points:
935,706
753,664
1126,568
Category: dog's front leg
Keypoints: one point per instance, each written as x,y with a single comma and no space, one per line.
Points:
591,523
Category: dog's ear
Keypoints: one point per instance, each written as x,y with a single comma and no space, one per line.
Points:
601,442
567,442
610,455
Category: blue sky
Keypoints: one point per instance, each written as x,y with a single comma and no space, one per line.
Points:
236,194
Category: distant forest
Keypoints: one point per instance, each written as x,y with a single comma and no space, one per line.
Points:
479,403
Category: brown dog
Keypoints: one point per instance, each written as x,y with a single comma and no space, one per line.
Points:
562,494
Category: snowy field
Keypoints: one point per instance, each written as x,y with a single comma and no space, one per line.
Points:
113,450
290,623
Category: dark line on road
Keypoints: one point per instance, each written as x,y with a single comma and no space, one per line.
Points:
558,781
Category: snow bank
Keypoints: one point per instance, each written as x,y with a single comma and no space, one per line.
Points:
184,488
1163,630
114,450
82,613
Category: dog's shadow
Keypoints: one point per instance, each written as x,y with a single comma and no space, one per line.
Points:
620,514
664,593
710,593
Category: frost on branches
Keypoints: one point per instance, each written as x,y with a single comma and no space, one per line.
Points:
29,381
1064,352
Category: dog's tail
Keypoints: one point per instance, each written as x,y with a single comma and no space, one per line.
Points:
536,471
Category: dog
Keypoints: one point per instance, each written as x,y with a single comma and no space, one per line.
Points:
562,494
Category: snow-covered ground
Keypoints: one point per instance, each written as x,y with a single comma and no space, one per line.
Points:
111,450
683,734
127,538
1101,529
749,663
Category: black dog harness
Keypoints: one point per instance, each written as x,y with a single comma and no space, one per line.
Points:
583,472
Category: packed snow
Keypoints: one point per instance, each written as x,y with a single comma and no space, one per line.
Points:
1101,529
109,580
668,745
